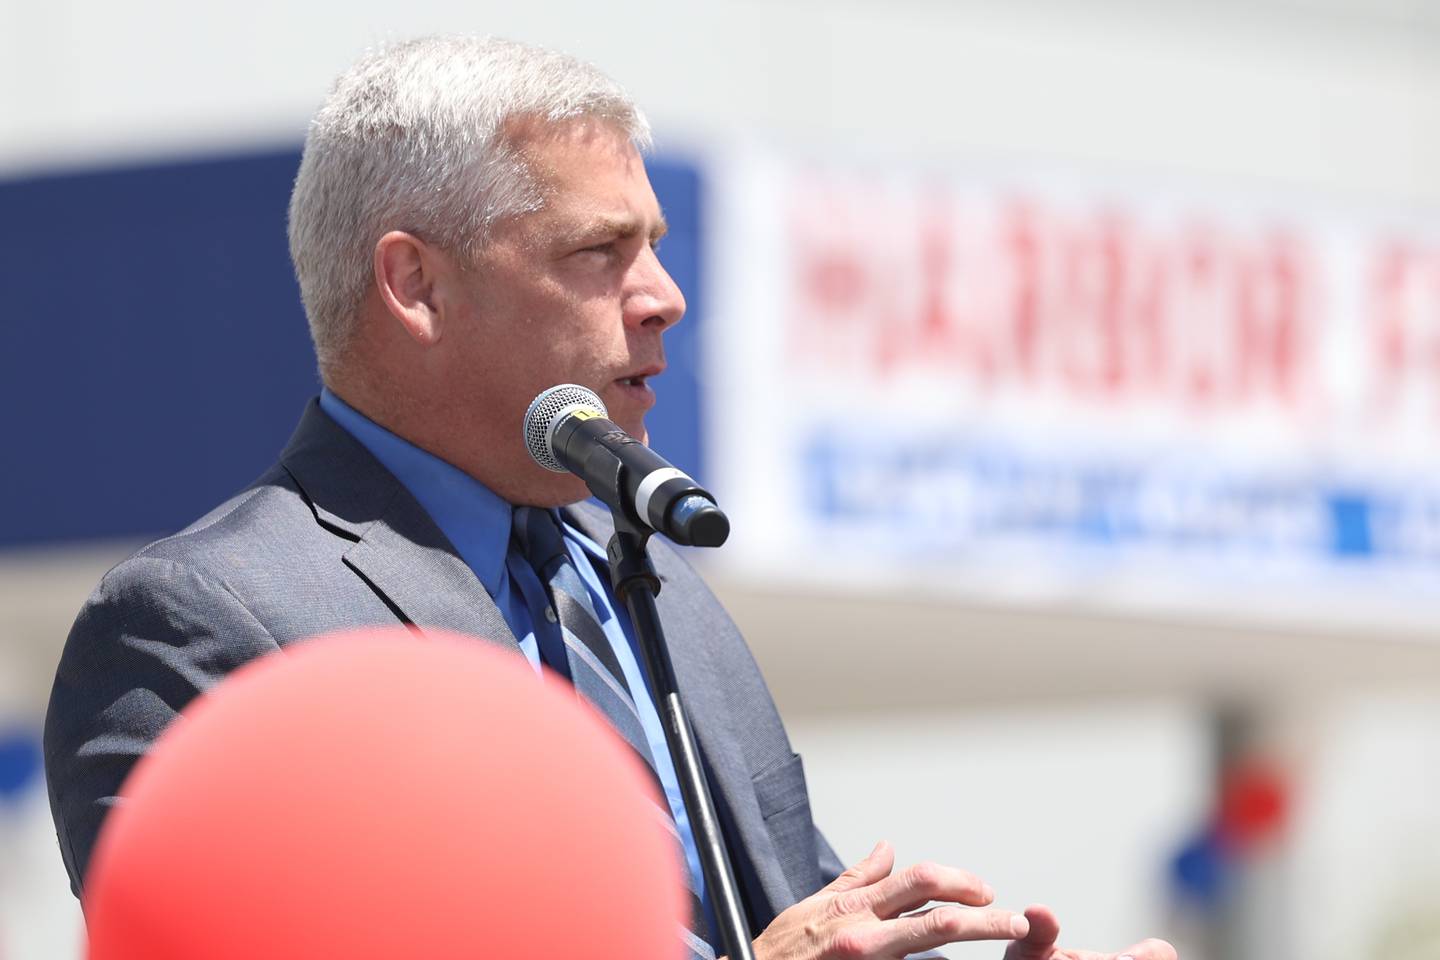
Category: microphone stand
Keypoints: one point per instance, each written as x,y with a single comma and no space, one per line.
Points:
636,584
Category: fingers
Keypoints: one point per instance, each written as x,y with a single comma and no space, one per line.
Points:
1144,950
876,866
1039,943
1151,949
1044,925
917,885
942,925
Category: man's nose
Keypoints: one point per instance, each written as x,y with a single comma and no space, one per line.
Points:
656,301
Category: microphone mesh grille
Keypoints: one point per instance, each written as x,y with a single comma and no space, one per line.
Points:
545,414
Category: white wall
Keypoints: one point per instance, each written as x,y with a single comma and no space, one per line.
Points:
1334,96
1365,869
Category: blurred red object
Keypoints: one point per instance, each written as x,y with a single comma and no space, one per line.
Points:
1254,802
379,795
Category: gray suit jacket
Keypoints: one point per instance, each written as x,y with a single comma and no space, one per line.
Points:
328,539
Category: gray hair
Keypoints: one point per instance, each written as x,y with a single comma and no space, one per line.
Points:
412,137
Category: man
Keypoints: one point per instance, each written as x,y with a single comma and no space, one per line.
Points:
471,224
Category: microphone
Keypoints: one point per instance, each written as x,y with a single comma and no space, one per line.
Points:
566,430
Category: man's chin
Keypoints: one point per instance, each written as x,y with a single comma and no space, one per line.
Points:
635,428
544,488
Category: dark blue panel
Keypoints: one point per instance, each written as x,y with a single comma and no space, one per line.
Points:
154,350
674,424
153,353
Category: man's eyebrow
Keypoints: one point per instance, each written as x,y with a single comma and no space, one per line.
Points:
622,228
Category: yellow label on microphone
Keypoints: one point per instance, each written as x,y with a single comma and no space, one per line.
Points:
585,413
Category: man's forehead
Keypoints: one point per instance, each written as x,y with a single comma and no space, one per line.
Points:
551,149
591,180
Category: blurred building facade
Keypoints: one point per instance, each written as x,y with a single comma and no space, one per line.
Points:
1163,661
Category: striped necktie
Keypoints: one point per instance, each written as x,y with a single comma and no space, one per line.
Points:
571,624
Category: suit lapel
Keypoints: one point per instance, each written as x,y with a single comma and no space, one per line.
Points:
398,549
427,582
702,689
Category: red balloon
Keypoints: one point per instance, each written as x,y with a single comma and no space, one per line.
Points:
378,795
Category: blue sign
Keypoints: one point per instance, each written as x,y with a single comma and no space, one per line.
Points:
154,357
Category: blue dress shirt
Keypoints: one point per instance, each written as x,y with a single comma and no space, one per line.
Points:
477,523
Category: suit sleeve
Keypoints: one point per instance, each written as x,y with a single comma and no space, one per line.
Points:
829,861
153,636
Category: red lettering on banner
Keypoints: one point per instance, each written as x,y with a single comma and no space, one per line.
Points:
1269,323
1390,336
1094,267
1405,327
1195,309
836,282
1150,351
1020,244
1089,305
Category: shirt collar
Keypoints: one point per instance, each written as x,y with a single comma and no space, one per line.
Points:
473,517
581,537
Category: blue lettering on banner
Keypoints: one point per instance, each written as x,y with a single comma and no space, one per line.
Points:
922,497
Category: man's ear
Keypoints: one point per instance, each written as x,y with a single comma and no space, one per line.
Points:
406,273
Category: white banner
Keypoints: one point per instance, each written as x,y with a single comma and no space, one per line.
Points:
1043,387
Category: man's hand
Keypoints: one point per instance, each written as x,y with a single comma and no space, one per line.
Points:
1039,943
859,916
